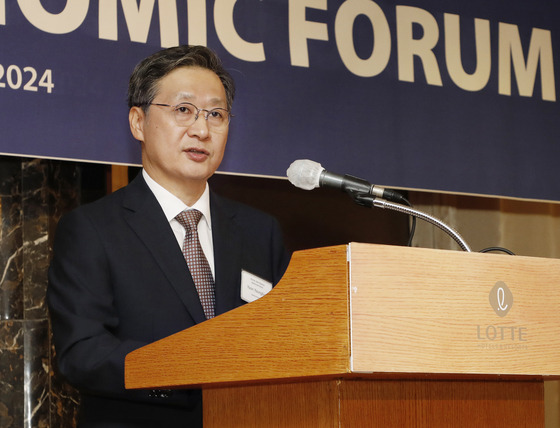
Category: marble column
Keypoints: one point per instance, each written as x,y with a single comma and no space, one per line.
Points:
33,195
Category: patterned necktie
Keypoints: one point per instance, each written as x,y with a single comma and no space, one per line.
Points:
196,260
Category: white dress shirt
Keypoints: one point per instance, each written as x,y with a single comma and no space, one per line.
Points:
172,205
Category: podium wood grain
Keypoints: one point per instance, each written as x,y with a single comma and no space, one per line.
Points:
374,336
377,404
296,331
428,311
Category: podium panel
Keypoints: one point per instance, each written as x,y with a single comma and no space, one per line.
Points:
418,310
377,404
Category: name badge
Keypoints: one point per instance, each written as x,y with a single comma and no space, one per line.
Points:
253,287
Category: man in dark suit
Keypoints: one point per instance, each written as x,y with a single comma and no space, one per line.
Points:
119,277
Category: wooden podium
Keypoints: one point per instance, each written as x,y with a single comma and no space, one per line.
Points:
364,335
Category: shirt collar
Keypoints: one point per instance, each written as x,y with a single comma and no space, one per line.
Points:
172,205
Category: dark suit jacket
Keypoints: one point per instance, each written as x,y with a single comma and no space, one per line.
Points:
118,281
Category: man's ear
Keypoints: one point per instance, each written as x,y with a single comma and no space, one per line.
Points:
136,118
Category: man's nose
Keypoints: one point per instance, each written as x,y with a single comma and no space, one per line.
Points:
199,128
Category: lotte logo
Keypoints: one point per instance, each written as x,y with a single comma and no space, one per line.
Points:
501,299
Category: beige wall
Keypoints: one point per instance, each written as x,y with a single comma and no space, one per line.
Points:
524,227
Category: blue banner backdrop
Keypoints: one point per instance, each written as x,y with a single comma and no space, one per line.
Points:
428,94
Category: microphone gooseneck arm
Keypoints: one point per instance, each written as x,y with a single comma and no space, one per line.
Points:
372,201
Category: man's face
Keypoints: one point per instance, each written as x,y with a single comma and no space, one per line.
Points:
181,159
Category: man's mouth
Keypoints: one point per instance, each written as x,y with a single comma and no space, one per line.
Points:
197,151
197,155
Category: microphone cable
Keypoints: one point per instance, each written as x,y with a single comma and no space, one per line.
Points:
412,226
501,249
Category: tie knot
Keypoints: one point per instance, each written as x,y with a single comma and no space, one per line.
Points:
189,219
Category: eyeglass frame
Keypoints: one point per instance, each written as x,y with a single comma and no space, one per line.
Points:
198,110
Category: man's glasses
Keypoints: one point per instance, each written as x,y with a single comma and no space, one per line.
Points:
186,114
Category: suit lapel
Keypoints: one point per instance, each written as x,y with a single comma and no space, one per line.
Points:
145,216
227,256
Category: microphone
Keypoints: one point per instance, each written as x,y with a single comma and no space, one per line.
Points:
307,174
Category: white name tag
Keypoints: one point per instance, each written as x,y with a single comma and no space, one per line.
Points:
253,287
